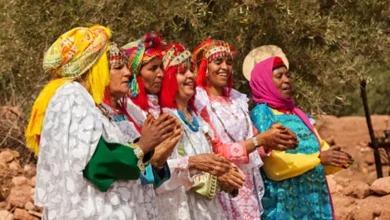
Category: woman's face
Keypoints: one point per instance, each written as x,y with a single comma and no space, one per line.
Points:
283,82
186,84
219,71
119,79
152,74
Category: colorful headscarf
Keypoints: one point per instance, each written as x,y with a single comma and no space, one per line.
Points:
265,91
176,60
74,53
206,52
140,52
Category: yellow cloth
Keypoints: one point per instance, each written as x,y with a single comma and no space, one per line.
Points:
281,165
74,53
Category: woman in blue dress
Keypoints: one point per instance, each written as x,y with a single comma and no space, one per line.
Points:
294,180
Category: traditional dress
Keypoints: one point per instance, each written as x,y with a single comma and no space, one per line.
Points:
177,198
229,119
295,183
77,144
86,169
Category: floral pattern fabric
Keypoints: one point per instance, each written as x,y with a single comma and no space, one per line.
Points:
230,122
302,197
72,128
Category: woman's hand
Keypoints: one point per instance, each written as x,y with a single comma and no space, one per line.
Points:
234,178
165,149
334,158
210,163
155,132
350,158
278,137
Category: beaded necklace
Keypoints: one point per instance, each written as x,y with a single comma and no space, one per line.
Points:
194,126
181,151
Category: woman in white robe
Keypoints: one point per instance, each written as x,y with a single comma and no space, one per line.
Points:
190,193
86,168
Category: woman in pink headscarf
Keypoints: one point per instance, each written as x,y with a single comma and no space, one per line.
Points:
294,180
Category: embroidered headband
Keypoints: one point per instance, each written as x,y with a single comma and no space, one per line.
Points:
116,56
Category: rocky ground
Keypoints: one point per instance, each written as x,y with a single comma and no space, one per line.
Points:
357,193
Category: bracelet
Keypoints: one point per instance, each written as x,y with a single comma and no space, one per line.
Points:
254,140
139,153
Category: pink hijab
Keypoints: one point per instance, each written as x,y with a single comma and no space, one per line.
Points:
265,91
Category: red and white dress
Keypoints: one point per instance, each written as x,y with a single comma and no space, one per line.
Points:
229,119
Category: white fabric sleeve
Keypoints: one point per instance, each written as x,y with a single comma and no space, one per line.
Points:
71,131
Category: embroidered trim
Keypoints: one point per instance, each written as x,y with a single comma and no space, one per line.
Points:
140,155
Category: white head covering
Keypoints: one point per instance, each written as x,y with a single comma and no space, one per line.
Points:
259,54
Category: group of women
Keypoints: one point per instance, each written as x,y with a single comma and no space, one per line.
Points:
153,131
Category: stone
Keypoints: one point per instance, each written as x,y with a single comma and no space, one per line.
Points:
33,181
19,196
34,213
30,206
23,215
6,215
334,187
368,158
30,170
370,208
3,205
357,190
14,165
19,180
6,156
15,153
381,186
342,181
344,205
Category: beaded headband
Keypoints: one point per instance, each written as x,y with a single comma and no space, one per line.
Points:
183,56
218,49
116,56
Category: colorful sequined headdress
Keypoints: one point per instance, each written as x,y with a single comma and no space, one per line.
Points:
176,60
116,56
77,52
206,52
139,53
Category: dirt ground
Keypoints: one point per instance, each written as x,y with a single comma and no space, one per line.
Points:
357,193
351,134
